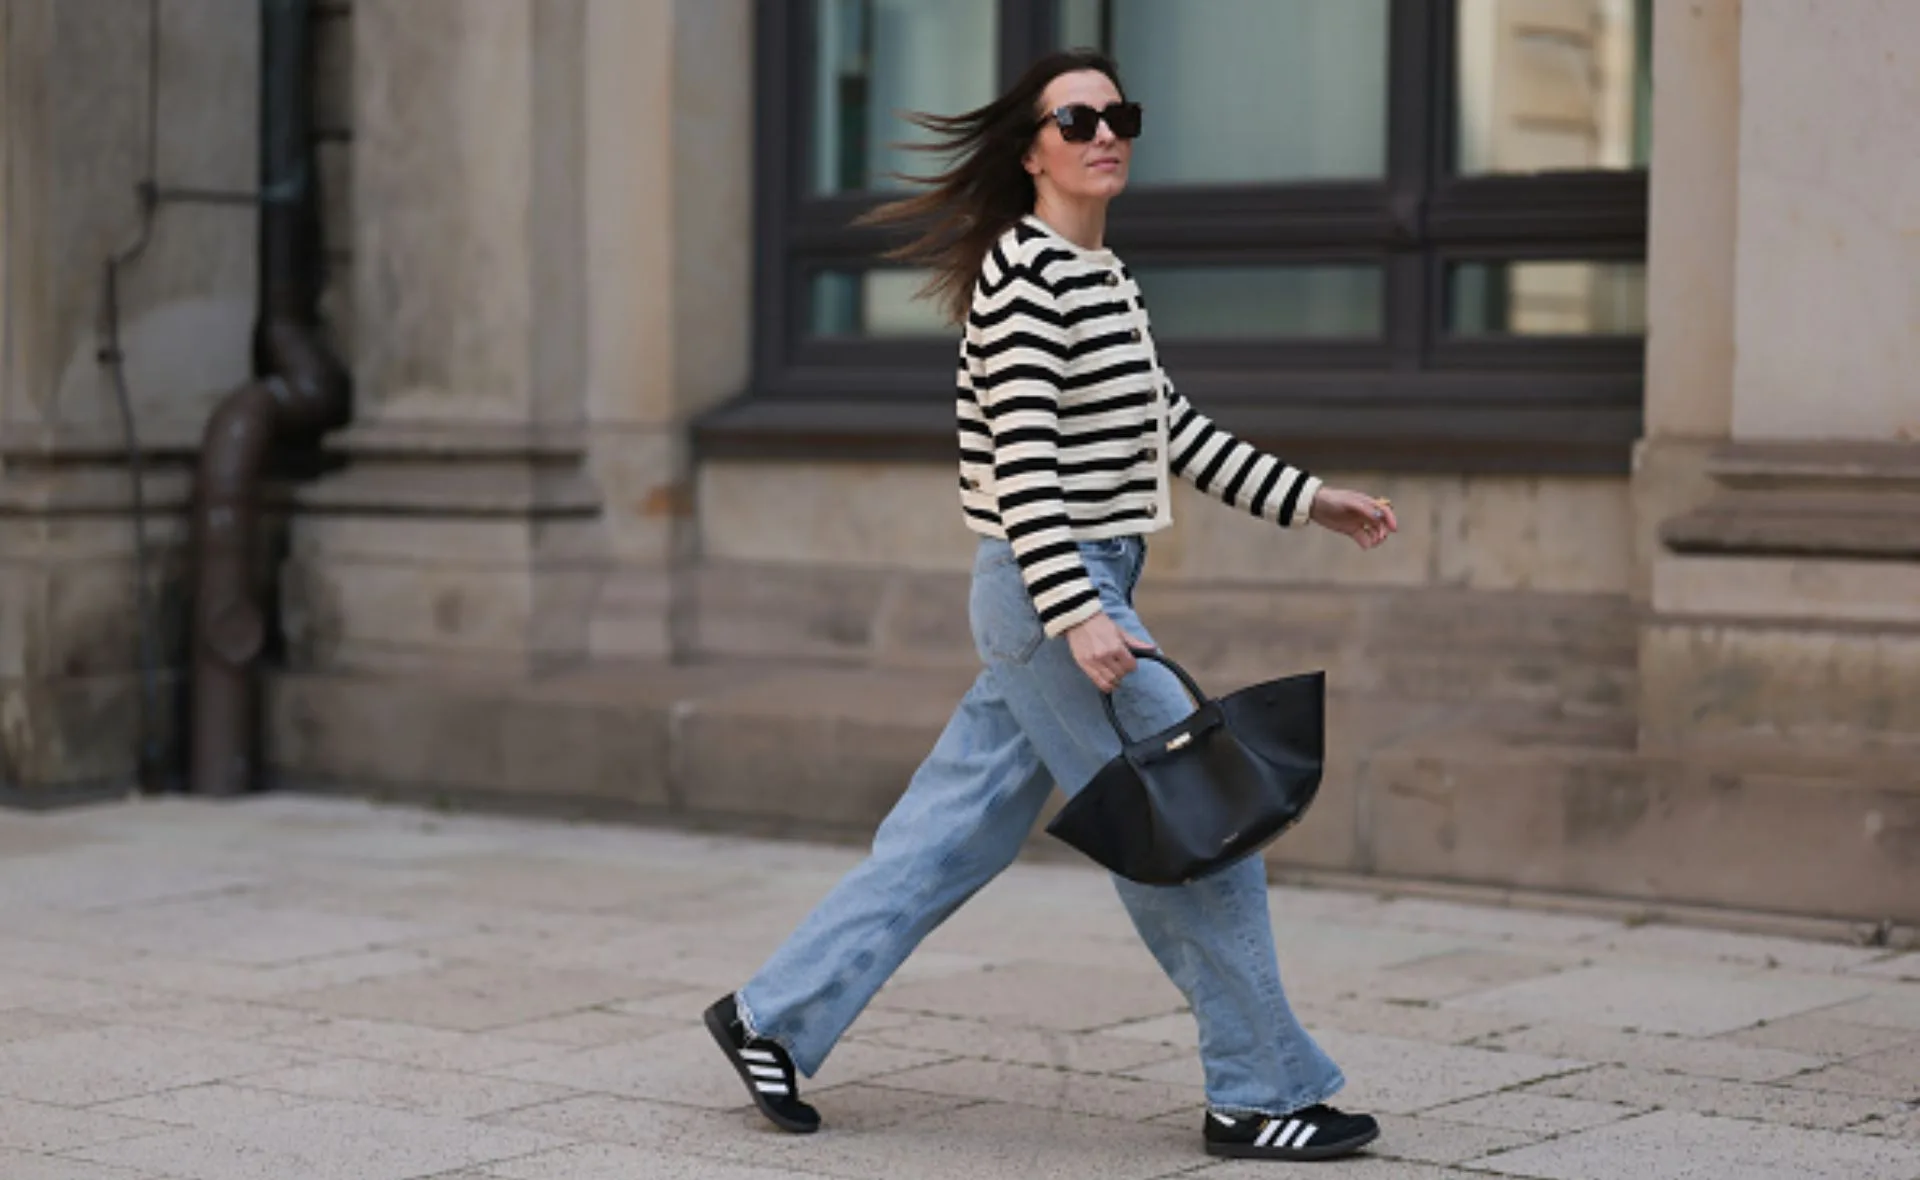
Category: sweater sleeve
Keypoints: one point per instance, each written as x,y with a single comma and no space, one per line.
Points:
1234,471
1018,344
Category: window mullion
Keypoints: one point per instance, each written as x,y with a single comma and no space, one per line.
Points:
1418,40
1027,30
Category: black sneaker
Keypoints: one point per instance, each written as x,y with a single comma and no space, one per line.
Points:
764,1067
1315,1133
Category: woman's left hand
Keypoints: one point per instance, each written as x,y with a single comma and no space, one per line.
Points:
1367,520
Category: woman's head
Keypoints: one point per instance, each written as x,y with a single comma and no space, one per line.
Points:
1003,156
1079,154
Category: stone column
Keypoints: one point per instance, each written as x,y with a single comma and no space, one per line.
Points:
551,267
1691,220
74,132
1786,608
459,536
669,206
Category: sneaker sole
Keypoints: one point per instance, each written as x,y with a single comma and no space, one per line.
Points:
1321,1151
720,1037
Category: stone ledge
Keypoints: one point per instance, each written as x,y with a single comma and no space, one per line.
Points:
1852,500
465,488
1891,466
1801,524
431,440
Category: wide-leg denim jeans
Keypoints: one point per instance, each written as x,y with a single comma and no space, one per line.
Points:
1031,720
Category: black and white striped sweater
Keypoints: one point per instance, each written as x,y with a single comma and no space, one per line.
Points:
1068,427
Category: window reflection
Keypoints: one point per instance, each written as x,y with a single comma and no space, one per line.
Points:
873,303
877,58
1547,299
1552,86
1247,90
1262,302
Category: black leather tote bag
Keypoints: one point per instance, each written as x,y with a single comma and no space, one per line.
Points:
1200,795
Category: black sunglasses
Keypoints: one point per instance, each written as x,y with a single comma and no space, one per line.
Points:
1080,122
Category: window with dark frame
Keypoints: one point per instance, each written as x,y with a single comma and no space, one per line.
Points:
1400,234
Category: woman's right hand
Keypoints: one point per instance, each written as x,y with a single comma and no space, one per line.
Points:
1103,651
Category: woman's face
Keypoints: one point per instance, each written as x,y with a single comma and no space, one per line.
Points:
1096,170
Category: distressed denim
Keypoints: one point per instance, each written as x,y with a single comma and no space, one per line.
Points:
1032,720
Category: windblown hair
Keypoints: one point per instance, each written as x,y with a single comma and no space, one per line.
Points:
985,190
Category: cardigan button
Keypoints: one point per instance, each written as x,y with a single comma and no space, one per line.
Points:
1134,335
1113,280
1153,453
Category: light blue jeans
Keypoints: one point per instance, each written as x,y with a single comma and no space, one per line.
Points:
1032,719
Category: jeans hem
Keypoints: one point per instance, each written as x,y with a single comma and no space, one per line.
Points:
1333,1086
755,1032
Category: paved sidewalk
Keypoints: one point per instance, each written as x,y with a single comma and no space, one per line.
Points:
300,989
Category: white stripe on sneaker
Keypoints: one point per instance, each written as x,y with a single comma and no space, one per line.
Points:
1292,1126
768,1071
759,1055
1304,1136
771,1087
1266,1133
1222,1119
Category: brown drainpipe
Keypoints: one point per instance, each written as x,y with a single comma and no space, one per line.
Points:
300,391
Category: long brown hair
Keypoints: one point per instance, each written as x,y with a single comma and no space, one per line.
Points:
986,189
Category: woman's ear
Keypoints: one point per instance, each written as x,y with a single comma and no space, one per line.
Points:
1030,159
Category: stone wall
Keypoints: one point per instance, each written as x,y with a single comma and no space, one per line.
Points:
74,130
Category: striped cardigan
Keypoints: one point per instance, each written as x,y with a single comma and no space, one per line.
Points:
1069,429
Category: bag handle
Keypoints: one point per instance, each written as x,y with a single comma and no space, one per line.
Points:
1193,690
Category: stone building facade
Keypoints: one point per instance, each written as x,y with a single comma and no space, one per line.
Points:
628,519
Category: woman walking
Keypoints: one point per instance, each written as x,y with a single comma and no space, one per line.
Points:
1069,437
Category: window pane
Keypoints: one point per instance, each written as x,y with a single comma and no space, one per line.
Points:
878,58
1255,302
1247,90
873,303
1546,87
1547,299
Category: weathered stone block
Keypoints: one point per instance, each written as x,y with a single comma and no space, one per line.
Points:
1771,688
59,736
923,621
784,612
514,737
1806,589
855,514
637,616
1625,825
821,747
1559,534
1212,542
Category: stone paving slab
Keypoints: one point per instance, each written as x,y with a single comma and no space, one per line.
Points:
1657,999
325,1141
35,1127
1674,1145
326,990
20,1165
1535,1114
1825,1110
102,1064
1705,1057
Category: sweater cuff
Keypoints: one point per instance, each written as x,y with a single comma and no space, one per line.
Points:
1303,507
1060,624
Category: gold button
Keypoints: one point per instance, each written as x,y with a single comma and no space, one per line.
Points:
1134,335
1113,280
1153,452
